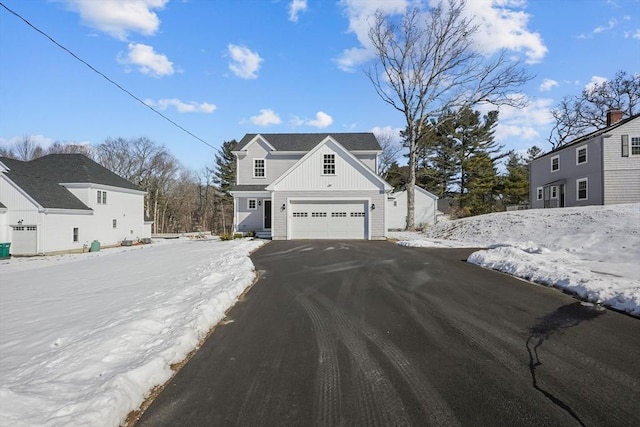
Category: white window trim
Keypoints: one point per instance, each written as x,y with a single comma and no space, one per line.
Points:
586,155
264,167
255,204
551,165
554,192
325,164
540,193
578,181
631,139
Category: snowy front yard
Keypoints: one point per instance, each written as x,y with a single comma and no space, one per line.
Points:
593,251
85,337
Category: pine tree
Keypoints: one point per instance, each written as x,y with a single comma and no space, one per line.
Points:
482,183
516,181
225,166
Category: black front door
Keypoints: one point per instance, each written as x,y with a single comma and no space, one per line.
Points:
267,214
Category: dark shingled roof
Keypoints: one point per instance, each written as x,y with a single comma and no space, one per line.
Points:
41,178
363,141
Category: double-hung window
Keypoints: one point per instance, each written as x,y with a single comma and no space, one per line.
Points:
102,197
76,234
582,189
635,145
329,164
581,155
540,192
555,163
259,168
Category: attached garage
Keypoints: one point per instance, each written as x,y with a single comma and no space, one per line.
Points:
341,219
24,240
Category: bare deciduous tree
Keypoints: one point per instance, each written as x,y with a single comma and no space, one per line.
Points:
426,64
578,115
27,149
391,149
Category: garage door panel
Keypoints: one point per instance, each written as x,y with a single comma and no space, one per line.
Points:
328,220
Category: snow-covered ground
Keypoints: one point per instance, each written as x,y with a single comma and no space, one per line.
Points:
592,251
84,337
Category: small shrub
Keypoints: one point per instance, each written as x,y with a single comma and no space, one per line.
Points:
251,233
237,235
225,236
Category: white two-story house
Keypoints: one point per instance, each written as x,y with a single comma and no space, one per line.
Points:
601,168
64,203
310,186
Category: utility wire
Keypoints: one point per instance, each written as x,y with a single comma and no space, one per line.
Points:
105,77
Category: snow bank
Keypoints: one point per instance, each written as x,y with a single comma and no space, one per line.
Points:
591,251
86,337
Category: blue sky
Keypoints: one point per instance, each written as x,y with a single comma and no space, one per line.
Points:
224,68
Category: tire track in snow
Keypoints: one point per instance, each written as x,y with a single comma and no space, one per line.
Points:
327,396
435,409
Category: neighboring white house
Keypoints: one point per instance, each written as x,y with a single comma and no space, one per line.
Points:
601,168
425,208
310,186
65,202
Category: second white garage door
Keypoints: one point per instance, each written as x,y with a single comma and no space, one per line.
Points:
328,220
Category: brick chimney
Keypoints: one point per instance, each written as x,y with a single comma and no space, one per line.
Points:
613,117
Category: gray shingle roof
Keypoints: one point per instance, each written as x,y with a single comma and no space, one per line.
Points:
362,141
41,178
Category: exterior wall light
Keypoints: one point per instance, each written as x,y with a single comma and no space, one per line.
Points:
373,206
283,207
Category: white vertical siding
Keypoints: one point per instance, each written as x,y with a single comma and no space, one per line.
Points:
350,174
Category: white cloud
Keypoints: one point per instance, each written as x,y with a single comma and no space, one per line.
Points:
322,120
244,63
265,118
595,80
148,61
119,17
182,107
359,12
529,124
502,24
388,132
295,7
634,34
602,28
547,85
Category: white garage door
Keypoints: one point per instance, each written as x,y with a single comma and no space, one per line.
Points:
328,220
24,240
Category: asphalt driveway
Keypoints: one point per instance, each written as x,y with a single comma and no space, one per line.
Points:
370,333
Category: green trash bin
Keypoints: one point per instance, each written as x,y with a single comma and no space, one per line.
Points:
95,246
4,250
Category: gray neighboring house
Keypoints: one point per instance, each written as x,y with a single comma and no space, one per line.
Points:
601,168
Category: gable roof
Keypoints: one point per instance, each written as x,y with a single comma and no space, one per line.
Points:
352,141
340,148
41,178
590,135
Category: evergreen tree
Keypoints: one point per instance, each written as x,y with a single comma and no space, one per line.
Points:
456,142
225,166
516,181
482,183
397,176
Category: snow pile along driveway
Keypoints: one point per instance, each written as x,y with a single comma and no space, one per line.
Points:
592,251
85,337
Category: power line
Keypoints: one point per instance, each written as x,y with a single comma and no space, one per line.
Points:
104,76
